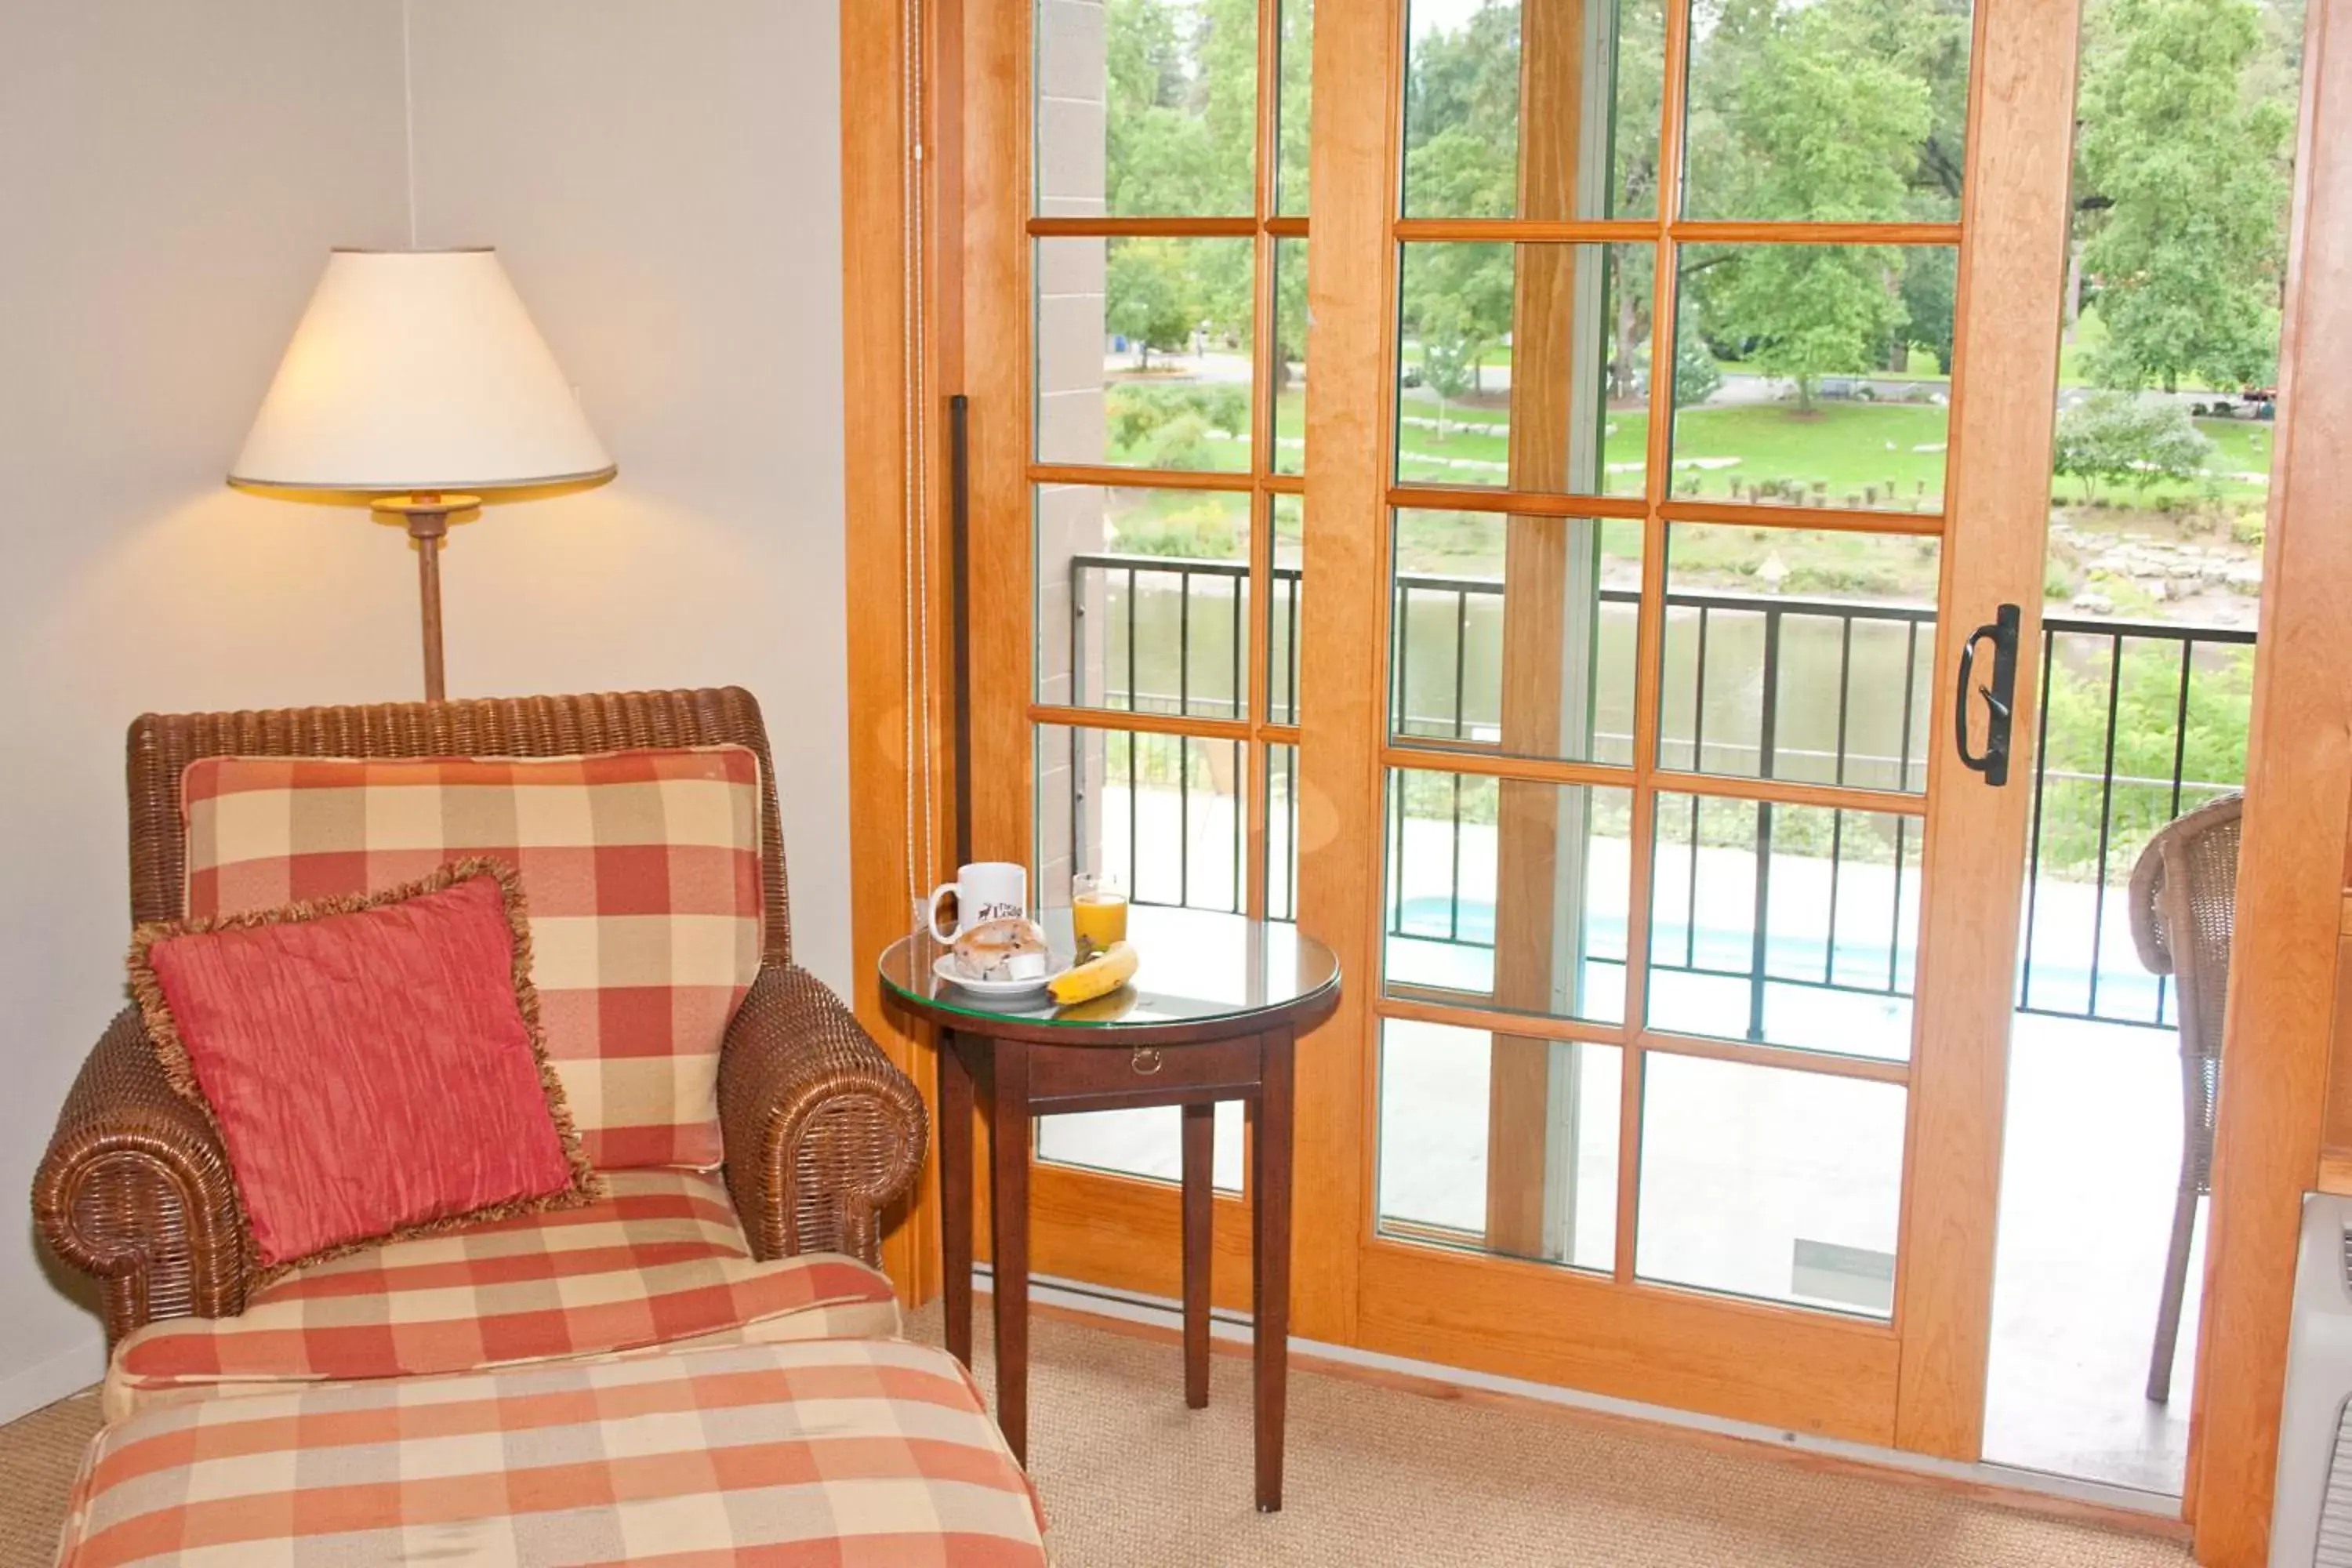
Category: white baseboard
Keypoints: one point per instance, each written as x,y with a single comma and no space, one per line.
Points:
47,1381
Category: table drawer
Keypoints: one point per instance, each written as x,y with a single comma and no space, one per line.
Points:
1117,1074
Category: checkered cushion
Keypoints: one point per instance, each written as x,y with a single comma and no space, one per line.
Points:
640,869
661,1262
844,1452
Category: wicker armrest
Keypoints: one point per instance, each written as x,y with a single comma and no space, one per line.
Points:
822,1131
135,1190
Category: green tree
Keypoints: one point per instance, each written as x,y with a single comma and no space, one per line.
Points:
1295,113
1813,122
1151,300
2186,176
1181,84
1928,41
1930,287
1808,310
1464,91
1452,343
1159,159
1462,135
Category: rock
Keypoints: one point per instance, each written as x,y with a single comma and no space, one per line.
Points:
2093,601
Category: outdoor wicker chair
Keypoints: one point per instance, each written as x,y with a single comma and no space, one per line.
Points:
822,1132
2184,894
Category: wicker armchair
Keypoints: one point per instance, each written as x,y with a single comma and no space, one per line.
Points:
2184,893
821,1132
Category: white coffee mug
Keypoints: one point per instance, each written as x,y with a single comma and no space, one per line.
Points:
984,890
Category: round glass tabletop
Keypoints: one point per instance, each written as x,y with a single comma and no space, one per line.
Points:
1195,966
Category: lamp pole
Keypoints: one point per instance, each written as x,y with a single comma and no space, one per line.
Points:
426,516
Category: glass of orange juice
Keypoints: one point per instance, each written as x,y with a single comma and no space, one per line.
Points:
1097,911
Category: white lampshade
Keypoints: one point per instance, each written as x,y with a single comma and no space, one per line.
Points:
418,371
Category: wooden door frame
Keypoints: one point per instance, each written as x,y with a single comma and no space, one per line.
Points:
2299,817
1918,1383
2292,853
896,579
2010,297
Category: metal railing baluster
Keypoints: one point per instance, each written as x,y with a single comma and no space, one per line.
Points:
2106,813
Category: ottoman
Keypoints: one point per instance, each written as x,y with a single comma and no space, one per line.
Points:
842,1452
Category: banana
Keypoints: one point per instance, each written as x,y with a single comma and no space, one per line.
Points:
1107,1009
1097,976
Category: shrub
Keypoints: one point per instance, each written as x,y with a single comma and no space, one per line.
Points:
2127,440
1170,426
1204,531
1695,374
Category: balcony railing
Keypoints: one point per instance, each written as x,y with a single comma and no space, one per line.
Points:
2139,721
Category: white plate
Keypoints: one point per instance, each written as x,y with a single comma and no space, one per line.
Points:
996,990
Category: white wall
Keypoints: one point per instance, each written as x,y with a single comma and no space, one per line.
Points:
171,177
663,182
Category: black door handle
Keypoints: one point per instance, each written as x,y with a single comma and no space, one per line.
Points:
2001,696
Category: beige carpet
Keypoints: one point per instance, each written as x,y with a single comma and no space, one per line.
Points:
1377,1476
39,1456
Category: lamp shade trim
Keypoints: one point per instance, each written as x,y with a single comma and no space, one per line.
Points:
424,487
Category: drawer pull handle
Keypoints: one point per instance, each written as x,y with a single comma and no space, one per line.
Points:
1145,1059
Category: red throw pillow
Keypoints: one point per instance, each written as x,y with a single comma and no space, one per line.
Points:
373,1063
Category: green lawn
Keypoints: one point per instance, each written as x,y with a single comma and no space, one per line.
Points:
1887,454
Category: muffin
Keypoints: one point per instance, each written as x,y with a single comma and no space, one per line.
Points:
1008,949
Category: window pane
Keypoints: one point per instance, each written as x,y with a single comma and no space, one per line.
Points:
1549,938
1545,109
1143,599
1813,374
1797,654
1162,813
1146,108
1769,1182
1792,925
1833,110
1143,352
1281,764
2183,697
1517,632
1543,1185
1282,627
1295,106
1289,398
1525,366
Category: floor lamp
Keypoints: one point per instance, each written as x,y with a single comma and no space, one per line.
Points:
417,385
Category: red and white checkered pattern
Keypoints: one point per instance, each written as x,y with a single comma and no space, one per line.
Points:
640,870
845,1453
662,1262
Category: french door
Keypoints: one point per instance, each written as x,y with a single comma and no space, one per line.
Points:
1509,485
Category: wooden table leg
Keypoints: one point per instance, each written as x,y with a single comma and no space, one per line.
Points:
1270,1262
1008,1146
1199,1219
955,1192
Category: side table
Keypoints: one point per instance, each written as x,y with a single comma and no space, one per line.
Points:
1219,1002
